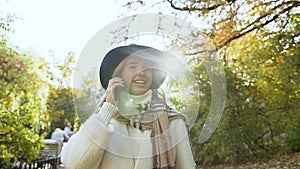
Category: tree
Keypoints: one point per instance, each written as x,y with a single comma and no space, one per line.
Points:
232,19
87,96
60,106
5,22
258,43
227,20
22,103
261,116
28,101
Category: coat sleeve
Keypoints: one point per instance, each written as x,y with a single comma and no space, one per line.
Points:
184,154
86,148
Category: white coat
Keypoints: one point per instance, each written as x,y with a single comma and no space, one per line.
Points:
120,146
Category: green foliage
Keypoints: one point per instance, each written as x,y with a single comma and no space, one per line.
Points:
5,21
258,42
60,107
33,99
22,105
87,97
19,141
261,117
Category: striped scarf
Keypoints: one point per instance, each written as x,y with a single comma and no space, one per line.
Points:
157,119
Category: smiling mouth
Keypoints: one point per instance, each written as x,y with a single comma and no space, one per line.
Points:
140,82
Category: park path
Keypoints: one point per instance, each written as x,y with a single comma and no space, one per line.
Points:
288,161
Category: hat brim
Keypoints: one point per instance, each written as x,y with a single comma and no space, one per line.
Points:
115,56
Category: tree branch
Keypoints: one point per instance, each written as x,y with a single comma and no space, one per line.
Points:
197,9
242,32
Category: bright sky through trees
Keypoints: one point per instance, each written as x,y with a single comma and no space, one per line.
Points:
57,25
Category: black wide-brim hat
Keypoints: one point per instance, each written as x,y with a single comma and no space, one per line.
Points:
115,56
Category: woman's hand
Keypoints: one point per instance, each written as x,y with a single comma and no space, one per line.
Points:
113,84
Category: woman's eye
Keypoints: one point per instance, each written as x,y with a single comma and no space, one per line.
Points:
132,67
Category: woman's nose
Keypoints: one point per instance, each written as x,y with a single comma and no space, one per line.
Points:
141,72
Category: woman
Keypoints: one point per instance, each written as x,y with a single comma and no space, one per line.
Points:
133,131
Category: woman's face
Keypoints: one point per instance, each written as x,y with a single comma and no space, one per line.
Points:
137,75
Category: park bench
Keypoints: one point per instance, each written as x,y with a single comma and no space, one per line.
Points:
49,154
51,148
49,157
